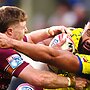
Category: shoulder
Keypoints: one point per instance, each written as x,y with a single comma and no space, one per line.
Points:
77,31
7,52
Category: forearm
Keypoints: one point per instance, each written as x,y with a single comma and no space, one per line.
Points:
43,79
39,35
51,80
67,61
61,59
37,52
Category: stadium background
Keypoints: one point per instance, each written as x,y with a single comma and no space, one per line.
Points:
45,13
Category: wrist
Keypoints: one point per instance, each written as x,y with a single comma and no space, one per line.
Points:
71,81
48,31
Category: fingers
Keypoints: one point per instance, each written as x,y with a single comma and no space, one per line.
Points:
59,44
81,83
4,41
54,30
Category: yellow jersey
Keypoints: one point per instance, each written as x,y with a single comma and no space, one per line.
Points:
83,59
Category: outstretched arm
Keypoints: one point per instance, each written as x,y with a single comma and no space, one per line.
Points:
61,59
42,34
47,79
43,79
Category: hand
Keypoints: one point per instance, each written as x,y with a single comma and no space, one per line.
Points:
59,42
4,41
54,30
81,83
58,45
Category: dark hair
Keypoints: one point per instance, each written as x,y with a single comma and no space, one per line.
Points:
10,15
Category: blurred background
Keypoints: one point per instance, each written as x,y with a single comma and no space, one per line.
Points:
46,13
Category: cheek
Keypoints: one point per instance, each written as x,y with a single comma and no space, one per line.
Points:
21,35
17,36
85,38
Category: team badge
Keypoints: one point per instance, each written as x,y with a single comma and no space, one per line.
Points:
15,61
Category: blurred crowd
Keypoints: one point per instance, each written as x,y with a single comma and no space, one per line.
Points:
71,13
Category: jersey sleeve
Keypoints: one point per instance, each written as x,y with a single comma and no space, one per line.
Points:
84,63
11,61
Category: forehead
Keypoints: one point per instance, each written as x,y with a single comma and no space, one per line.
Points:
23,23
20,24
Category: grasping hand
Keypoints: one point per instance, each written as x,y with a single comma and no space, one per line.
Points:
5,41
81,83
55,30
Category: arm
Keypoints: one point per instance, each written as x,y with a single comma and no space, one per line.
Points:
47,79
42,34
43,79
61,59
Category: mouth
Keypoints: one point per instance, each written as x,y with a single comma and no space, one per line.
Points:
86,46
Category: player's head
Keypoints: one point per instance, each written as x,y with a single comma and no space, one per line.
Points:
12,21
85,40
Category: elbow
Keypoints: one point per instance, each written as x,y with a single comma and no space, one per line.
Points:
75,65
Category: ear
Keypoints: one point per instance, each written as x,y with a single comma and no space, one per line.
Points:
9,31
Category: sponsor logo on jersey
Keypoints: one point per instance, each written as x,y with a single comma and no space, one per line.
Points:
15,61
25,86
83,60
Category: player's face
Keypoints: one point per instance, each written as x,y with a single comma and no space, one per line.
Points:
19,30
85,43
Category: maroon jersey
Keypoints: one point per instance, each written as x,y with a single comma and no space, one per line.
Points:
10,63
